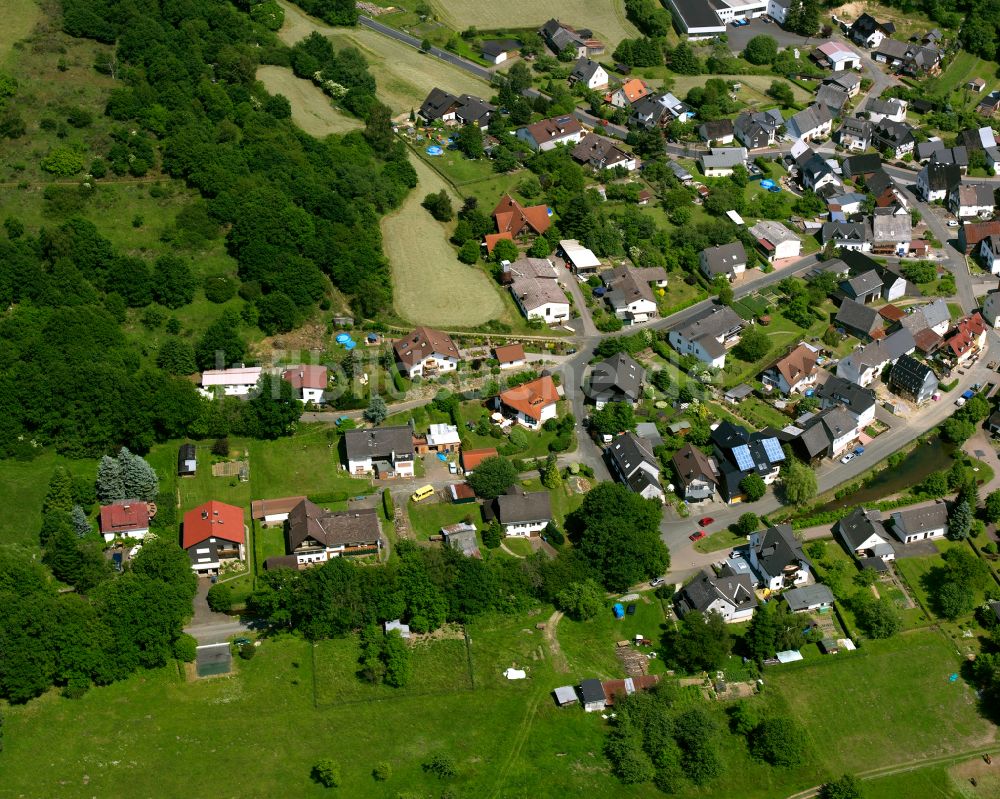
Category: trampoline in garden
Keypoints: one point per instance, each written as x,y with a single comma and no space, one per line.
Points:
434,150
768,184
213,659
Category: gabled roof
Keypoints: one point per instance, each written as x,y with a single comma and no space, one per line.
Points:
438,103
213,520
124,516
942,177
509,353
777,548
811,118
626,285
494,47
332,528
856,399
379,443
862,164
713,323
911,375
532,397
471,458
831,96
886,107
808,596
920,520
863,284
621,373
554,129
693,464
533,293
975,194
892,133
723,259
584,69
599,151
846,231
634,89
860,525
629,452
512,217
519,506
772,232
799,364
305,376
735,590
422,343
859,317
716,129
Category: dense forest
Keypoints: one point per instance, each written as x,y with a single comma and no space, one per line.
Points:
300,216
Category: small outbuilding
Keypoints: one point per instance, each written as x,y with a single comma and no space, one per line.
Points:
565,695
187,460
592,695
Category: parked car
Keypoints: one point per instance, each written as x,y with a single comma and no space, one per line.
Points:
705,521
848,458
656,582
697,535
630,610
952,223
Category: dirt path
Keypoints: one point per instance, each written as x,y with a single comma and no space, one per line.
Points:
559,662
510,552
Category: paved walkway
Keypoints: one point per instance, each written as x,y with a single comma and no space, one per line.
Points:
981,448
209,627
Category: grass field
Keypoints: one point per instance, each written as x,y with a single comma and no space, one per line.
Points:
964,67
591,644
20,18
427,275
404,76
427,518
939,782
888,704
311,109
752,93
606,18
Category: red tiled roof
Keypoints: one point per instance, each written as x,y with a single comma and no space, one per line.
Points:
512,217
493,238
530,398
471,458
125,516
618,689
509,353
422,343
213,520
305,376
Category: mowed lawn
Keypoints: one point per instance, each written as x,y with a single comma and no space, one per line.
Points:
753,91
19,19
427,518
432,287
891,703
606,18
312,110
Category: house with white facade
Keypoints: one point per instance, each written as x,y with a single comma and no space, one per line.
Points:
920,523
632,461
521,513
865,536
213,534
728,260
126,518
814,122
989,252
549,133
858,401
708,336
936,181
697,474
236,382
969,200
308,381
315,535
892,109
721,161
530,404
384,451
425,352
867,362
795,373
775,241
589,73
777,559
630,294
731,596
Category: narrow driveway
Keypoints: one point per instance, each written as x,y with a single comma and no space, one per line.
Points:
207,626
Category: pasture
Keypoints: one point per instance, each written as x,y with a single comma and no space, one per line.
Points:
427,276
606,18
887,704
19,19
311,109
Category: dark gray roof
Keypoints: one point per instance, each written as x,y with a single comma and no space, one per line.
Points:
810,118
584,69
629,452
307,521
886,107
942,177
858,317
911,375
521,506
599,151
713,323
919,520
807,596
472,110
833,97
892,133
438,103
620,373
861,164
878,182
696,13
777,548
379,443
722,259
716,129
814,440
863,284
705,589
592,691
493,47
859,525
845,231
846,80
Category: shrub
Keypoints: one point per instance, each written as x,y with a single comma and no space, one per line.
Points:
440,765
186,648
247,651
220,598
327,773
220,447
382,771
219,289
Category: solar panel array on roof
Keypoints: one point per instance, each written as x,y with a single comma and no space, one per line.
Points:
744,460
773,449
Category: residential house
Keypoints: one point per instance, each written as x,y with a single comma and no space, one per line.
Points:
581,260
814,122
273,511
496,51
187,460
991,308
850,82
862,288
740,453
847,235
510,356
440,106
708,336
864,535
619,378
731,596
471,458
833,98
892,231
869,32
632,461
729,260
971,234
936,181
920,523
600,152
697,474
777,558
539,296
235,382
909,58
815,172
466,109
891,110
717,131
213,535
721,161
315,535
474,110
629,293
895,138
836,57
757,129
778,10
439,438
826,434
629,93
521,513
989,105
126,518
971,199
560,36
809,599
795,373
308,381
775,241
967,339
861,166
425,352
841,206
866,362
530,404
549,133
857,401
886,193
912,379
514,220
959,156
989,252
893,284
384,451
589,73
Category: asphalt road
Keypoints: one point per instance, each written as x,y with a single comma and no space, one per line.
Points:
455,60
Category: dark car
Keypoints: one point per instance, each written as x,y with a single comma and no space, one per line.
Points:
697,535
630,610
705,521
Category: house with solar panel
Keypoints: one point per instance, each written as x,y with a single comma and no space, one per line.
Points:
740,453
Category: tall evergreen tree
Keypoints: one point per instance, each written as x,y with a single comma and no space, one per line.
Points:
81,524
109,480
60,493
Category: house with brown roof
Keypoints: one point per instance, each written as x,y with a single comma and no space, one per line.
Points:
471,458
967,338
273,511
631,91
510,356
126,518
696,472
315,535
619,689
794,373
600,152
213,535
309,382
425,352
514,219
530,404
549,133
971,234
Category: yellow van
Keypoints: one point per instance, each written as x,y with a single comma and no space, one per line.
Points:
422,493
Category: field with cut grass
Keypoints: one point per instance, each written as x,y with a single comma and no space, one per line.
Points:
431,286
752,93
311,109
606,18
404,75
887,704
19,19
427,517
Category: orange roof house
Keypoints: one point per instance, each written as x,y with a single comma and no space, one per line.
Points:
471,458
533,402
213,533
513,218
631,91
509,354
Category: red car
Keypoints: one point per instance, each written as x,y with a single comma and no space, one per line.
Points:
706,521
697,536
